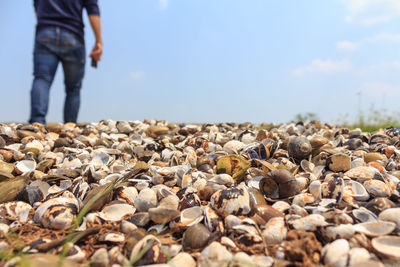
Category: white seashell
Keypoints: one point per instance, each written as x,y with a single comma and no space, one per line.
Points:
25,166
57,217
191,216
296,209
344,231
391,215
309,223
100,258
315,189
222,179
303,199
75,253
146,199
358,255
214,255
15,210
377,188
388,246
182,259
170,202
377,228
356,190
281,206
71,164
231,201
227,242
336,253
302,182
127,227
159,228
100,158
231,221
262,261
113,237
233,146
275,231
127,194
116,212
116,257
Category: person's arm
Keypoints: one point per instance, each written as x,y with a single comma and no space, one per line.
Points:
97,50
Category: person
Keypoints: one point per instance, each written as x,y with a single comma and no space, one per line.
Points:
60,38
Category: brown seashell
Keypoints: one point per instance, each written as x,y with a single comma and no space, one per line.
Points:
263,213
299,148
9,189
195,237
339,162
279,184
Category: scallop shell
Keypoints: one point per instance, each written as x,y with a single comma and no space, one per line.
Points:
374,229
388,246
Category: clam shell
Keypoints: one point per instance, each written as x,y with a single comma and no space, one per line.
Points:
275,231
16,210
377,188
231,201
309,223
391,215
364,215
146,199
25,166
336,253
116,212
388,246
191,216
374,229
356,190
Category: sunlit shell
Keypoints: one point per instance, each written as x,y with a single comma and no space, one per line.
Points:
388,246
16,210
377,188
336,253
233,165
25,166
275,231
191,216
391,215
364,215
117,212
377,228
310,222
356,190
231,201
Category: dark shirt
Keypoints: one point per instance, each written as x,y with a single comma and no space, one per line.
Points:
64,13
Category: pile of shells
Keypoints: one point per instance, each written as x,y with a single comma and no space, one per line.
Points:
132,193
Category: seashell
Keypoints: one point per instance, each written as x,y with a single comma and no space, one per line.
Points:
299,148
275,231
315,189
264,213
307,166
170,202
233,165
75,254
100,258
212,221
233,146
356,190
4,228
124,127
111,238
182,259
374,156
256,198
214,255
127,227
195,237
358,256
188,201
377,188
344,231
333,188
153,255
57,217
387,245
30,194
25,166
163,215
339,162
303,199
140,219
376,228
105,196
6,168
297,210
281,206
116,212
336,254
379,204
231,201
191,216
279,184
15,211
309,223
41,259
222,179
363,173
391,215
364,215
146,199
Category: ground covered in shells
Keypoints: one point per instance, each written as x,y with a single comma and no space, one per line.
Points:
132,193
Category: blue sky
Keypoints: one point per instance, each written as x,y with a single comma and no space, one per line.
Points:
219,60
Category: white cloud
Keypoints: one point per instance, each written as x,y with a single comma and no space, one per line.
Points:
136,75
163,4
353,45
379,89
323,66
370,12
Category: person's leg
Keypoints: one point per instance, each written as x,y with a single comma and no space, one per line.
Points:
45,65
73,61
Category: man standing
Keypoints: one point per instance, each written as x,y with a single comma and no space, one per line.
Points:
60,38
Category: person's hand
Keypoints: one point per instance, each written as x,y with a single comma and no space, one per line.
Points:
97,51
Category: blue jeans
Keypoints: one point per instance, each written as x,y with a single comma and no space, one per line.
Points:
53,45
